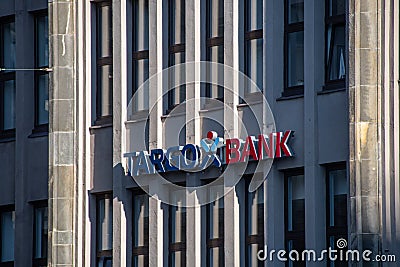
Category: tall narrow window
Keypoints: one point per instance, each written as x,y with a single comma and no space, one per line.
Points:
335,73
215,46
176,51
177,237
215,232
336,207
40,234
140,230
104,61
294,43
7,78
254,43
295,215
140,53
254,225
104,225
41,76
7,218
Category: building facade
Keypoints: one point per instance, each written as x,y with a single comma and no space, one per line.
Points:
73,106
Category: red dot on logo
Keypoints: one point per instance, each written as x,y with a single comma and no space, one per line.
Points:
211,135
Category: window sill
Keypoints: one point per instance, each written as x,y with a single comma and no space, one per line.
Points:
40,131
7,136
283,98
330,91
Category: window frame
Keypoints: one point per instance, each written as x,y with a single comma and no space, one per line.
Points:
4,77
137,55
174,48
336,20
100,62
102,253
259,238
176,246
335,231
39,71
218,242
3,209
216,41
297,90
292,235
250,35
37,262
140,250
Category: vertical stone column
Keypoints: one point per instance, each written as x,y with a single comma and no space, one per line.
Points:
314,40
364,26
62,135
156,218
193,50
119,117
231,58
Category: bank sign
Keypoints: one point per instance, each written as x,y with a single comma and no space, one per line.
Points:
212,151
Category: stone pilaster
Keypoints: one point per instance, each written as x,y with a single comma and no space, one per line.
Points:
364,79
62,135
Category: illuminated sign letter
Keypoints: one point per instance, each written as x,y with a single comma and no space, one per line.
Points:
248,149
232,150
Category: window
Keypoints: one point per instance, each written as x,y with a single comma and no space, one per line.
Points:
215,231
176,51
335,44
140,53
215,45
294,46
104,61
41,76
336,207
140,230
254,43
104,223
254,225
177,237
7,236
40,235
7,77
295,214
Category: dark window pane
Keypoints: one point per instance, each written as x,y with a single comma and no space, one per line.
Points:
43,99
8,53
7,236
104,24
104,224
105,262
178,259
254,15
178,94
295,56
140,260
42,41
215,54
216,219
296,208
9,105
336,52
41,229
141,25
337,7
255,212
140,221
295,11
338,198
215,18
254,63
105,90
216,257
177,21
299,246
140,75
